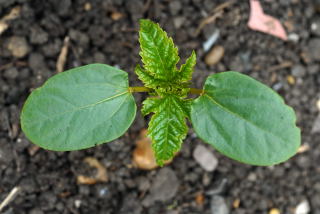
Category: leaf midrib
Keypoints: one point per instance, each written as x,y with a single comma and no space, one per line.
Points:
86,106
242,118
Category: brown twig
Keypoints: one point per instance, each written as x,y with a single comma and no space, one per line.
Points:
285,64
63,55
217,13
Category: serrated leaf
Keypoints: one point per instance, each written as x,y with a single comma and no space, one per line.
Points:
186,70
167,127
79,108
158,53
150,105
245,120
148,80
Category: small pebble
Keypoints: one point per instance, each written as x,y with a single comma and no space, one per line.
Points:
178,21
218,205
314,47
318,105
175,7
87,6
303,208
77,203
298,71
315,27
215,55
274,211
205,158
293,37
18,46
291,80
11,73
316,125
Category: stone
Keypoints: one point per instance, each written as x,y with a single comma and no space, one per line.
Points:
293,37
18,46
178,21
313,68
79,37
316,125
52,49
218,205
38,36
303,207
63,7
205,158
315,27
298,71
215,55
164,187
36,61
175,7
5,152
11,73
131,204
314,48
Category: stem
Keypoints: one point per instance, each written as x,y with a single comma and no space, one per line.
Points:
139,89
196,91
145,89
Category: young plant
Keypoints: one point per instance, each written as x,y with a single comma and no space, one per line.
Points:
93,104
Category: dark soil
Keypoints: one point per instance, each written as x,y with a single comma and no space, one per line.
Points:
48,179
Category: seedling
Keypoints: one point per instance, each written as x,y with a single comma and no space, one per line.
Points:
93,104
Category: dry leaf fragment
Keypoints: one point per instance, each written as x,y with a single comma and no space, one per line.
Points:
101,175
262,22
143,156
200,199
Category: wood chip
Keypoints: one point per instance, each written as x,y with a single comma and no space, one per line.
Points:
303,148
13,14
11,196
116,16
32,150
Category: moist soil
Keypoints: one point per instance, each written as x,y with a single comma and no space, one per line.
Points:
106,32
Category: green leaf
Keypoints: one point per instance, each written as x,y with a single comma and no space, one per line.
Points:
186,70
158,53
150,105
167,127
148,80
79,108
245,120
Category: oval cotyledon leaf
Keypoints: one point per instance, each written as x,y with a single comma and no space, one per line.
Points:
79,108
245,120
